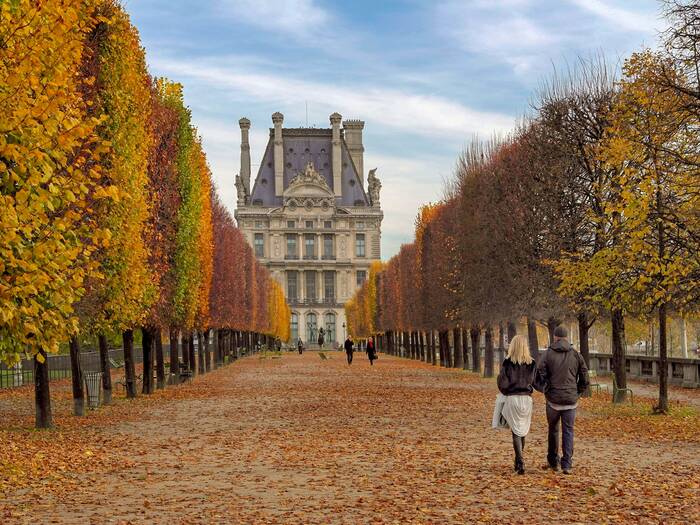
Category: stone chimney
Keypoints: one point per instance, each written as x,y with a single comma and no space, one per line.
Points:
353,139
277,119
245,154
337,156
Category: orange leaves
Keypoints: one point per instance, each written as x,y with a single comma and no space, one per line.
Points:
243,296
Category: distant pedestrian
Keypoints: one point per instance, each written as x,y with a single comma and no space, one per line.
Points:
371,351
321,337
562,376
300,345
515,382
349,348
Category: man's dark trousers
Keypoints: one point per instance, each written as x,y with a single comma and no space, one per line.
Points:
349,357
567,418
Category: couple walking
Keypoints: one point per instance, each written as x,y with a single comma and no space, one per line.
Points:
370,349
562,376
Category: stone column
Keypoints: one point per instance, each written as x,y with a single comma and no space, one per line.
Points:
244,123
353,139
277,119
337,165
319,289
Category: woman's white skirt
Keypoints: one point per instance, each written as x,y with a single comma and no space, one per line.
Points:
517,411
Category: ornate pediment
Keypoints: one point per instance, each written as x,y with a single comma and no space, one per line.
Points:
308,189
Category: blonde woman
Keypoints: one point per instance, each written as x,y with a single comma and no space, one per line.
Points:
515,382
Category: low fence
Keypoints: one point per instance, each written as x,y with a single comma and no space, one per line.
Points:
681,371
59,366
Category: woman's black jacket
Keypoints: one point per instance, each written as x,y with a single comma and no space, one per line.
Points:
516,380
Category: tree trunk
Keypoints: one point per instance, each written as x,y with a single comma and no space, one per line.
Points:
160,359
431,347
106,369
147,346
421,344
501,343
465,349
456,337
684,337
663,361
42,396
512,331
618,352
190,348
476,354
532,339
174,360
76,378
583,327
488,352
202,352
552,324
129,370
217,349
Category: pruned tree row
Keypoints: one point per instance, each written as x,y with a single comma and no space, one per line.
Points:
588,210
109,221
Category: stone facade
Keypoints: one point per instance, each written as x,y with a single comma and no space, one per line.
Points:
310,219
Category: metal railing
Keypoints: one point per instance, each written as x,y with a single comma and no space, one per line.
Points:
326,301
59,366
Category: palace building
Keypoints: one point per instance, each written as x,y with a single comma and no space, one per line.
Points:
312,219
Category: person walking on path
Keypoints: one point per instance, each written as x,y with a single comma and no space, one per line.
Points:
321,337
515,381
371,351
562,376
300,345
349,348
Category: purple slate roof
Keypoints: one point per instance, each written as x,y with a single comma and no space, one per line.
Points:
302,145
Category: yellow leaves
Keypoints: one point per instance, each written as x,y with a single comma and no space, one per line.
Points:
45,131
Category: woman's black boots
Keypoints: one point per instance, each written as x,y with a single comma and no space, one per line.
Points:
518,446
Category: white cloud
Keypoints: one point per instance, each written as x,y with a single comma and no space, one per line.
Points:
416,113
500,30
407,184
620,17
301,19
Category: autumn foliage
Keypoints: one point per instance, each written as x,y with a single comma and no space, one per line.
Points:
109,218
588,210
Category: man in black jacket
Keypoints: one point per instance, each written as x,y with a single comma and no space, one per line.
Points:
562,376
349,348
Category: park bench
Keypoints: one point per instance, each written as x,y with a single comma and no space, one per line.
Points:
122,382
115,364
184,372
616,389
593,381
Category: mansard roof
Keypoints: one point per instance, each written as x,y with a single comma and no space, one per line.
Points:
301,146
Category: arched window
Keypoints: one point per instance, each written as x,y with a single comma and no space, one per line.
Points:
330,327
311,327
294,328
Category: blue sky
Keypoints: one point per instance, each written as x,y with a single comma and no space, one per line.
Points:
426,76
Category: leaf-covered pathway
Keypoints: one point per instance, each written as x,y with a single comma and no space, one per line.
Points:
302,440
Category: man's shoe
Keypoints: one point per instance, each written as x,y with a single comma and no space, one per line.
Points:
554,467
566,471
521,470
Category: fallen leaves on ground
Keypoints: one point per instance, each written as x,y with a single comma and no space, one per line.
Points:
302,440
